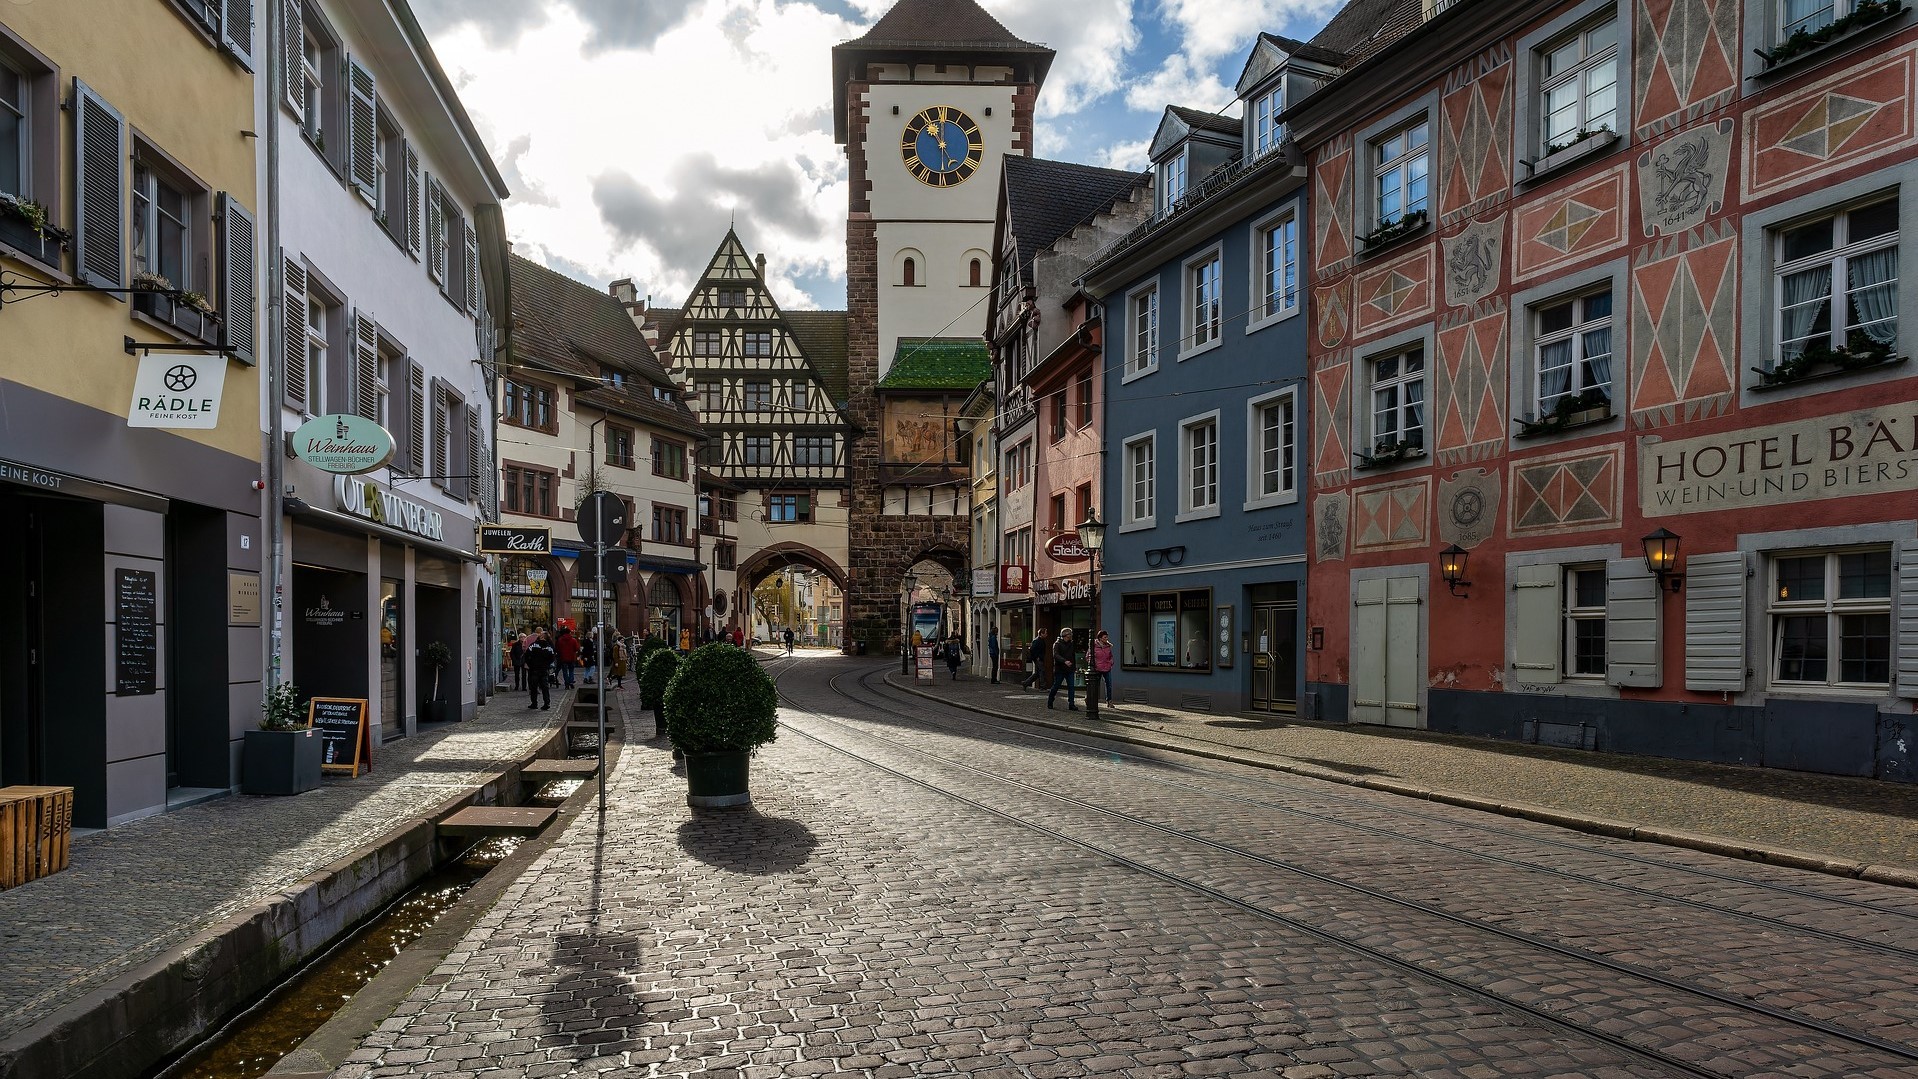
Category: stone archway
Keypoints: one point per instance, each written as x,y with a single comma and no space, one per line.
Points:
822,620
771,559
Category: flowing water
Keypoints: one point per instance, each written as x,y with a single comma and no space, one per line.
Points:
254,1042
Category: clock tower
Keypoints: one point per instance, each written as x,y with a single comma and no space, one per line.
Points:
927,105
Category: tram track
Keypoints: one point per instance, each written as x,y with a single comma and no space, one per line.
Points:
1848,1044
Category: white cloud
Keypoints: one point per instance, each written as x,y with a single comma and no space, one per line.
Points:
1213,30
1124,155
1180,82
1091,39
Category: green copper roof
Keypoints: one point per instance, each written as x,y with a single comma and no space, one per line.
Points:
938,363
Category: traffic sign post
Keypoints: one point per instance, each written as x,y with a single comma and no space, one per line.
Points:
602,521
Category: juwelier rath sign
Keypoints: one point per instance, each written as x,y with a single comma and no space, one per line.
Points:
178,391
514,539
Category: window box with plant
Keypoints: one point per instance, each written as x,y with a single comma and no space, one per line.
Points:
1388,453
184,310
1816,361
283,756
1572,410
1386,235
1584,143
24,227
1805,39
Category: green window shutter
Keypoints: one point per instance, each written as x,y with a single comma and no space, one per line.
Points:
1537,636
366,366
1715,622
293,334
236,30
99,179
239,288
1908,618
1368,651
1632,624
362,125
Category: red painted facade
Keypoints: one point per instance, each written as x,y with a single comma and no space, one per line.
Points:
1066,386
1678,216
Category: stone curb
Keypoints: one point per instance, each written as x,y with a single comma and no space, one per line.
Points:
1578,822
134,1021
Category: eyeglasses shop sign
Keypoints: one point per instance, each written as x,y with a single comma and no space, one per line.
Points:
178,391
363,499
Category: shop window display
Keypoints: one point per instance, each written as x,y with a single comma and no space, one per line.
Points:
1165,631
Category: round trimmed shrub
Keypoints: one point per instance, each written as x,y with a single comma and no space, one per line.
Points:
650,645
721,701
656,670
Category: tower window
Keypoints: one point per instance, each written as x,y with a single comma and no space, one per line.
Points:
909,272
973,274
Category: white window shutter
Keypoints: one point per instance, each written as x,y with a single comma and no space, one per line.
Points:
293,334
1537,645
1715,622
471,467
239,287
435,232
472,271
442,436
99,212
292,54
1632,624
1368,652
236,30
366,365
362,126
1908,618
411,221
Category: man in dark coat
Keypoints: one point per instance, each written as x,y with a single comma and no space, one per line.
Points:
992,652
539,660
1036,655
1062,655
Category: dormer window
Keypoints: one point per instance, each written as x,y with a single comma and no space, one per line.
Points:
1267,132
1171,178
615,378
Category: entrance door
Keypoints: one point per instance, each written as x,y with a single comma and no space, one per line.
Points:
1386,660
392,644
1275,658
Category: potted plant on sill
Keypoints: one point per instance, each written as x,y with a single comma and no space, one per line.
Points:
1389,452
719,708
24,225
1397,230
1571,410
655,674
435,655
283,756
1860,351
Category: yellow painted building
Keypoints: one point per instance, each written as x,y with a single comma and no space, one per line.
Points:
130,600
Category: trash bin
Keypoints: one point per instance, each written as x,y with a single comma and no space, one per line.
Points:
859,648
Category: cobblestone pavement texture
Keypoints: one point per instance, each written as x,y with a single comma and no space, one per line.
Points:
135,892
1859,820
854,922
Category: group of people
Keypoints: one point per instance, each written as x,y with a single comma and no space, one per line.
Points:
1064,653
541,658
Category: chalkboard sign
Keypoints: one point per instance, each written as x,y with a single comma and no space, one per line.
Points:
346,742
136,660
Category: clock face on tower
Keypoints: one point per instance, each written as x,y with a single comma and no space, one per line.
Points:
942,146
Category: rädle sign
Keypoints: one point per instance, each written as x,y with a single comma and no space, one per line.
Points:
1873,451
177,391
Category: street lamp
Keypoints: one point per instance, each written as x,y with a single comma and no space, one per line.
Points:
1092,536
1452,568
1661,557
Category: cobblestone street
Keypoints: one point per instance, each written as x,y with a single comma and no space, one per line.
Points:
918,891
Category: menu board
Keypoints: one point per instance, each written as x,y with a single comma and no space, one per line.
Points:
136,660
346,742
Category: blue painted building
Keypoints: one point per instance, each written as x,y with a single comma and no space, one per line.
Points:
1203,583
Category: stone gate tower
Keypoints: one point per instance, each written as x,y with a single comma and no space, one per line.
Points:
927,104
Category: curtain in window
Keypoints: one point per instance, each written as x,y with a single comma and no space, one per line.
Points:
1802,311
1554,373
1415,413
1874,294
1598,359
1806,15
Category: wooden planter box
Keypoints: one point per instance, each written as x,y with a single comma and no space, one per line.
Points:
36,832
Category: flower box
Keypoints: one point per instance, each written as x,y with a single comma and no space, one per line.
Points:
1583,145
18,233
1405,227
1805,43
1386,454
1564,420
1812,365
165,308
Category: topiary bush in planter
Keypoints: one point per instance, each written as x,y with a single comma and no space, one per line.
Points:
656,671
719,708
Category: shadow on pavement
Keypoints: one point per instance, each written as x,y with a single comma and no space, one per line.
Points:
748,842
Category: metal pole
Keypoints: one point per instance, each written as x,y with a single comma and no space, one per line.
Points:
276,357
599,637
1092,634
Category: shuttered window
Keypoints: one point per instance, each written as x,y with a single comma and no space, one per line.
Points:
293,334
1831,617
472,461
435,232
366,392
1908,618
100,151
363,129
239,285
414,237
442,433
1633,624
1535,637
1715,622
236,30
416,417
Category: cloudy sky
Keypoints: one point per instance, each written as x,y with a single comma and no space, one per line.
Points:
632,132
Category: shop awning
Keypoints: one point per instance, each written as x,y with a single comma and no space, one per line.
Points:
360,526
669,564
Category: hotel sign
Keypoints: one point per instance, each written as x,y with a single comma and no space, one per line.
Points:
362,498
1872,451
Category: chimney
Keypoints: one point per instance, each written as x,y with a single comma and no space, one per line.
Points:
761,260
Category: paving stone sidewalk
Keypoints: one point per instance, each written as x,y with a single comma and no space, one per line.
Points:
134,892
1846,820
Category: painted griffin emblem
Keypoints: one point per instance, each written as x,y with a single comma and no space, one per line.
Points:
1684,183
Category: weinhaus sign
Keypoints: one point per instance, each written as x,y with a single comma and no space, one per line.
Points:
343,444
1869,452
364,499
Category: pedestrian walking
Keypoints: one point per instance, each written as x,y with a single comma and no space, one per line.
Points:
567,648
955,650
539,660
1035,655
992,652
1102,663
589,658
1062,654
789,641
618,662
516,658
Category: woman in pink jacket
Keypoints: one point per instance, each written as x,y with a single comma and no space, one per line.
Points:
1102,661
